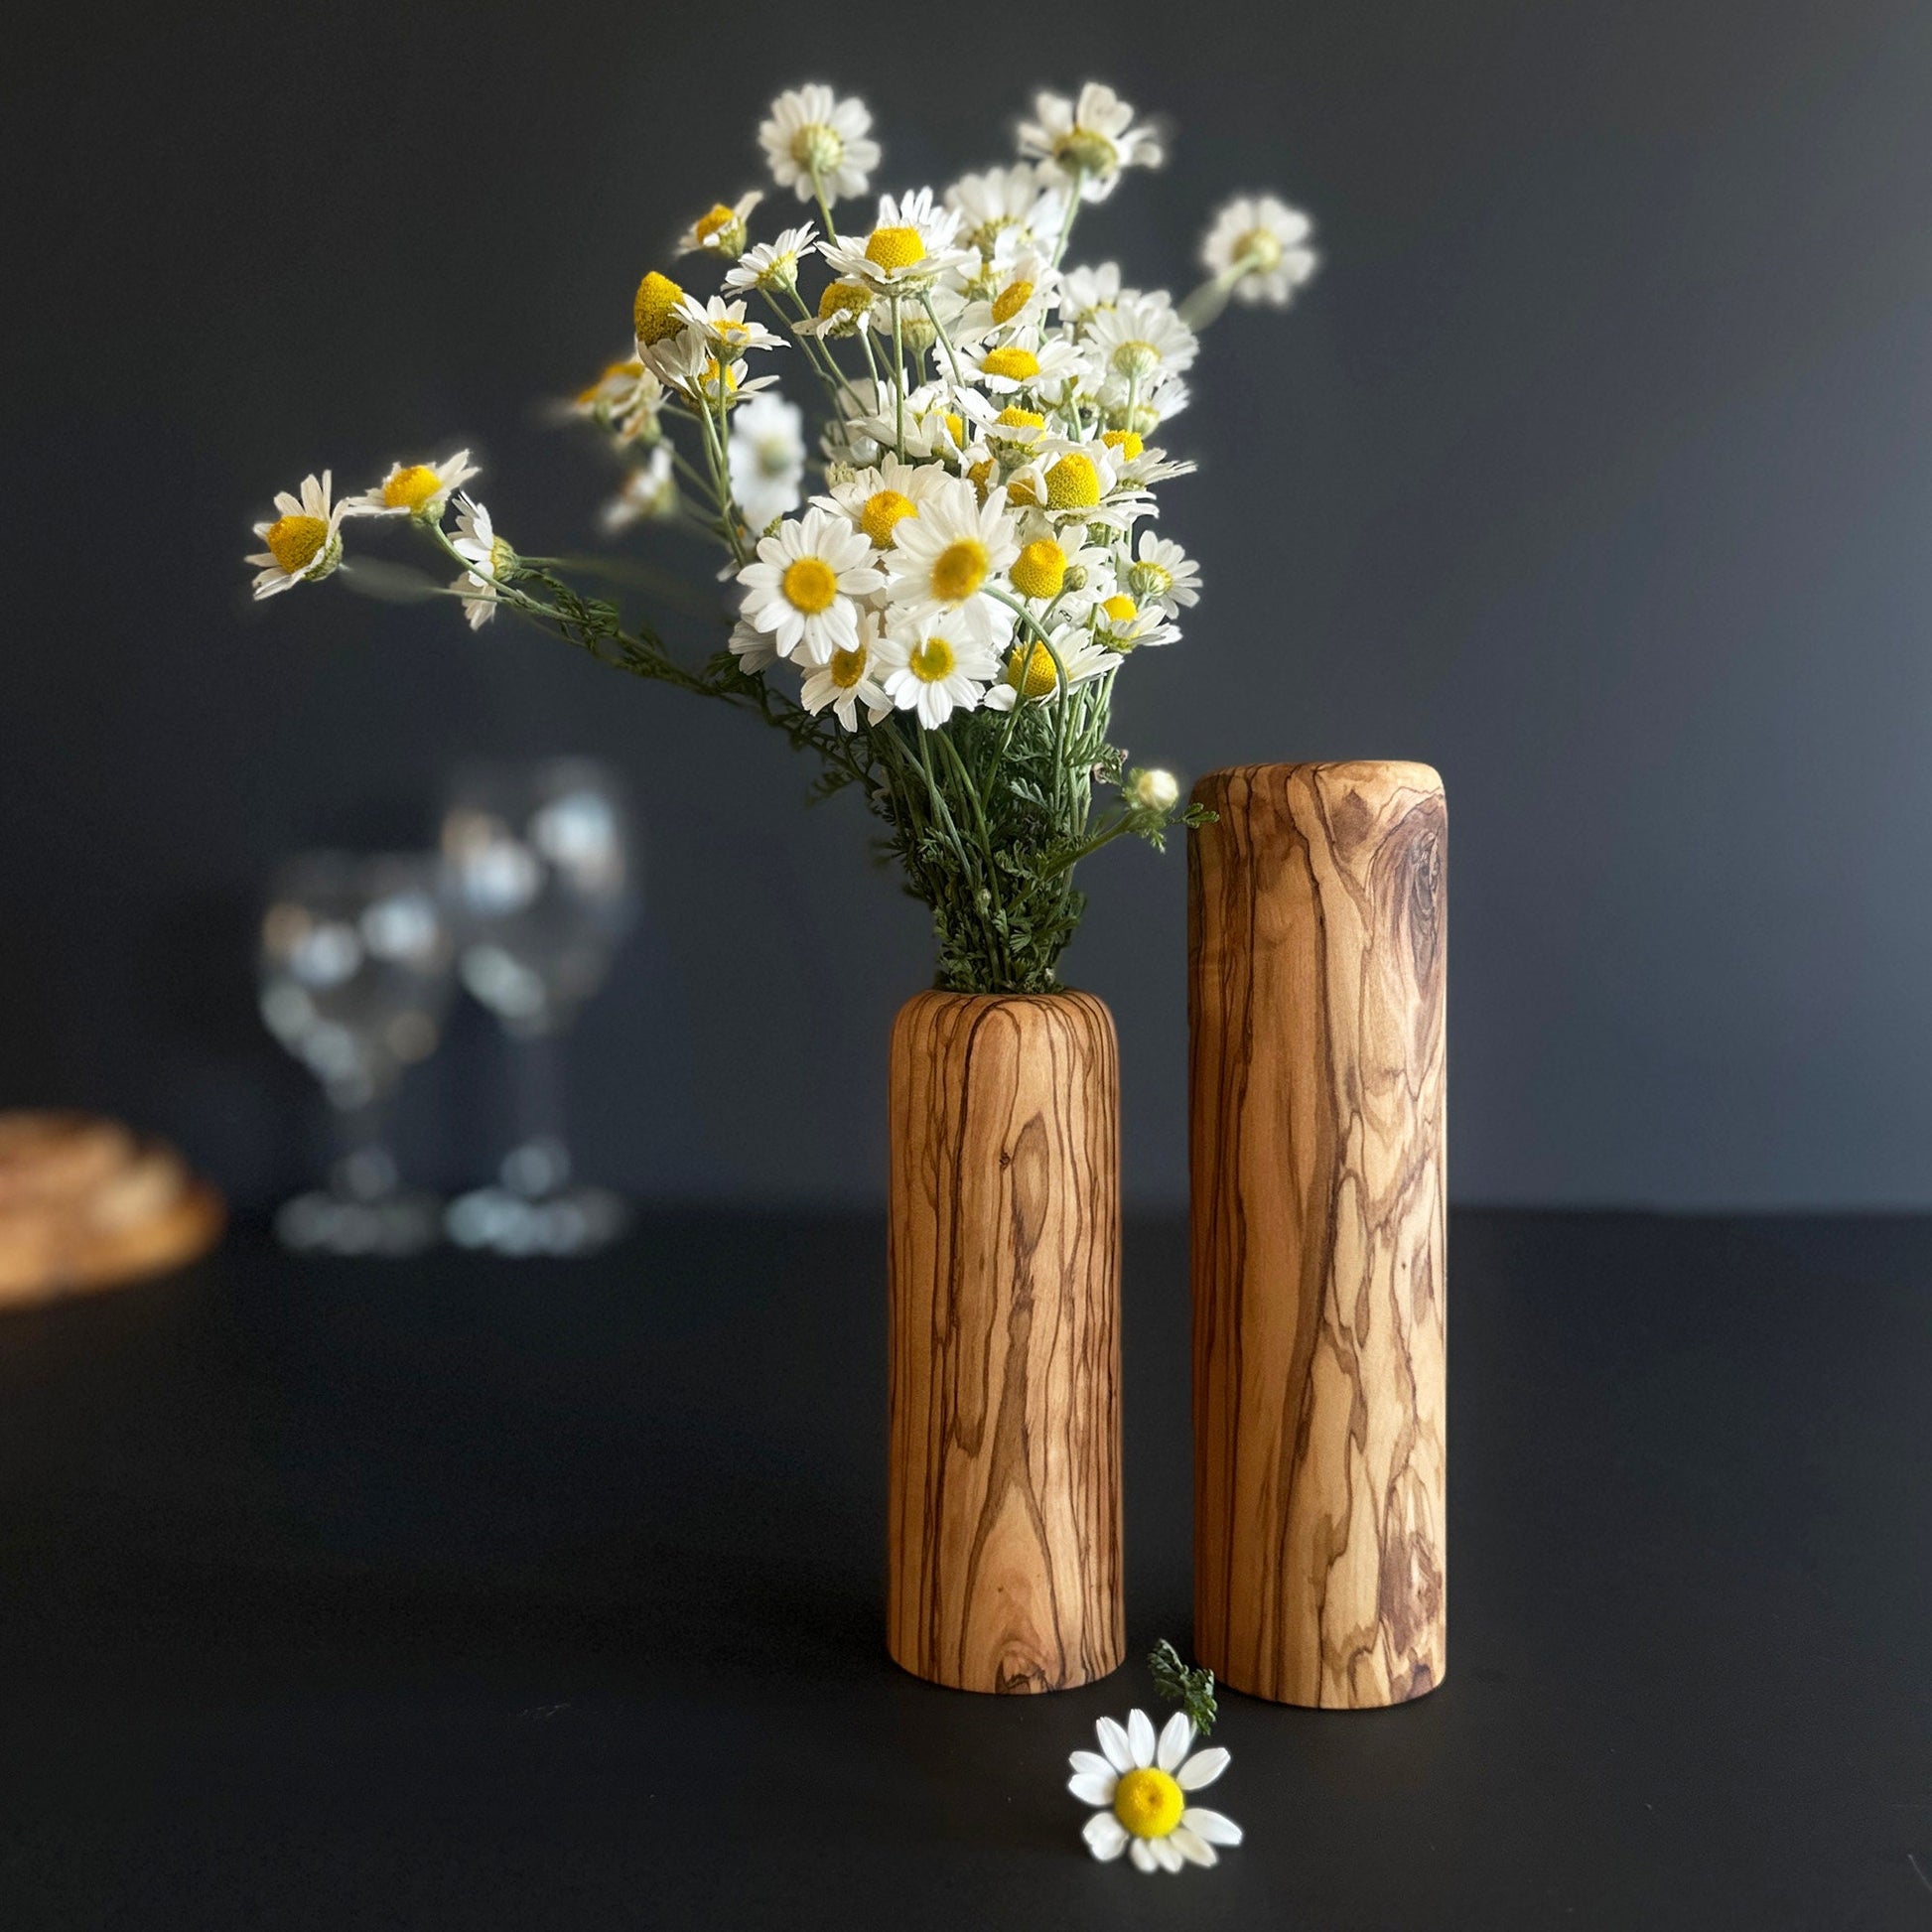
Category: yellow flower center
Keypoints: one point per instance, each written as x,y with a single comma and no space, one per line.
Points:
1011,300
1120,608
411,487
1073,484
847,668
931,661
1264,245
1015,364
980,476
1125,441
293,541
959,570
1011,418
843,298
1031,670
885,510
720,216
956,428
627,371
1148,1803
655,310
1020,490
1039,570
890,248
809,585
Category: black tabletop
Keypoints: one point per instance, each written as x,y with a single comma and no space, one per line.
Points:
486,1594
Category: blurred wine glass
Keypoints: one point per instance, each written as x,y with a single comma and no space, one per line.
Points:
355,979
538,867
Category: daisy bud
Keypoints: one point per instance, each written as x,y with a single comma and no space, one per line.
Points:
1155,792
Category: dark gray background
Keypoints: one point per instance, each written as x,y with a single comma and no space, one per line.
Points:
1594,469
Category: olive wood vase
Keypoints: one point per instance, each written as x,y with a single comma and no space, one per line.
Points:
1316,1086
1005,1543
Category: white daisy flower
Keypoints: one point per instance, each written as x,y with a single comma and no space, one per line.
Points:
843,307
935,669
1123,624
413,488
1020,293
626,399
1010,366
811,131
878,498
1087,291
687,363
1029,671
304,542
1163,574
1142,1784
802,586
721,232
1087,142
724,327
753,648
1258,242
945,562
1066,481
1140,341
907,249
766,459
773,264
848,680
1060,564
488,556
649,493
936,421
1004,201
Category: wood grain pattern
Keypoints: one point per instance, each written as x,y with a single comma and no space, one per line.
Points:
1005,1559
1316,1086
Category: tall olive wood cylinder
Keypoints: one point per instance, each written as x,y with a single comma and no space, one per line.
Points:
1315,1083
1004,1545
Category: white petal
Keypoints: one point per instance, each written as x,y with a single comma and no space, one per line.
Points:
1140,1737
1164,1853
1092,1789
1194,1848
1112,1744
1202,1768
1093,1762
1211,1825
1142,1855
1176,1735
1105,1835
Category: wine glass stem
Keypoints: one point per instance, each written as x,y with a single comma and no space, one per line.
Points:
364,1169
539,1164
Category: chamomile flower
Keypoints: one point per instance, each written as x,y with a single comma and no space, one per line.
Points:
909,246
414,488
1258,244
811,134
1141,1785
489,557
1006,200
1122,623
724,327
877,499
773,264
1031,673
1140,341
720,231
1006,368
1087,291
752,646
656,312
304,542
689,365
1085,143
1153,791
804,585
850,679
649,493
843,307
934,667
626,399
766,459
1059,564
1018,297
1067,481
1163,574
945,563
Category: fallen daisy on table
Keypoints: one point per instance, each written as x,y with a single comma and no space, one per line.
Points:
1142,1783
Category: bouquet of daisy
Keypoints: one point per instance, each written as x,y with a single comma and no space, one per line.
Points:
942,619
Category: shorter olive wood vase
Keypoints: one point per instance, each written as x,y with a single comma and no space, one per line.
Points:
1004,1546
1316,1081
